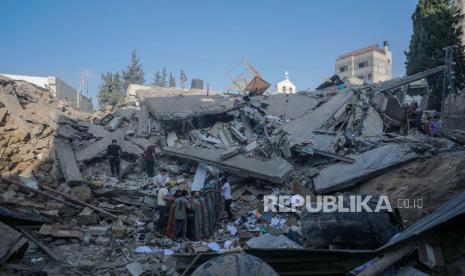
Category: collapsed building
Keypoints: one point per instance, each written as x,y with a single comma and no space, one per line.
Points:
57,195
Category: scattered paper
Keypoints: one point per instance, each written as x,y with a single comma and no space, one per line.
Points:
232,230
214,246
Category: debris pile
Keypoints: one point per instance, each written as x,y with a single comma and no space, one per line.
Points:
58,193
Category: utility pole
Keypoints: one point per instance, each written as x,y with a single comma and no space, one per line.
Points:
449,78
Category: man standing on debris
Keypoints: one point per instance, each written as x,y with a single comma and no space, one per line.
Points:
161,179
226,189
113,152
180,215
162,201
149,158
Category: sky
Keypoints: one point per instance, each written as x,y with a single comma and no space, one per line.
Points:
205,38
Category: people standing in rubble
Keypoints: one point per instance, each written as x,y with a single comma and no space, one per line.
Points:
113,153
162,201
181,205
161,178
226,189
149,158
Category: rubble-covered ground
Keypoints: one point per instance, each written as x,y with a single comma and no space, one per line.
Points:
56,187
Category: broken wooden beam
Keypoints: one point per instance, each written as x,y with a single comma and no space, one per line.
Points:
85,204
40,245
11,242
22,186
335,156
312,151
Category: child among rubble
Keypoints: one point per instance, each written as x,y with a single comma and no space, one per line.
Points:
226,189
161,179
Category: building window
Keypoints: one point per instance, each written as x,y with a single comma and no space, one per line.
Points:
343,68
360,77
284,89
290,89
363,64
369,77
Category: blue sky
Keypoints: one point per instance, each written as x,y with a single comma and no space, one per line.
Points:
205,38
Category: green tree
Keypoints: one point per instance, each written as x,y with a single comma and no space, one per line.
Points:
134,72
110,90
434,27
172,80
164,76
157,79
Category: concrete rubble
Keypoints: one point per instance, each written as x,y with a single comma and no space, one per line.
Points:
56,185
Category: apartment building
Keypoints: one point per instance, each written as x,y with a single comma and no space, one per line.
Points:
371,64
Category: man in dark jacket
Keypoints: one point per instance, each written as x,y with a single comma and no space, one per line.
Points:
113,151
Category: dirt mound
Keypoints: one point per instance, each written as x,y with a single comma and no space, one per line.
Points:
430,182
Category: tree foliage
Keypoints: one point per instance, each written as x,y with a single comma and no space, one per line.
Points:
172,80
157,79
110,90
161,79
134,72
435,26
164,76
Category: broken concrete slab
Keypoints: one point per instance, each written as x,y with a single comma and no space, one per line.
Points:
127,147
238,135
97,131
125,167
98,149
199,178
67,161
166,107
83,193
302,129
289,106
93,151
228,153
215,129
143,122
171,139
269,241
57,230
367,165
115,123
373,124
225,137
87,217
135,269
11,242
274,170
251,146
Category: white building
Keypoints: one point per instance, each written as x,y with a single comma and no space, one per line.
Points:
371,64
285,86
59,89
